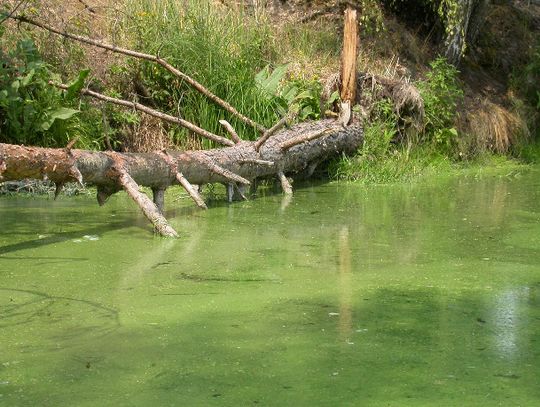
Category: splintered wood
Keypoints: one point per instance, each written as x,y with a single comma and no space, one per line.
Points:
348,66
348,60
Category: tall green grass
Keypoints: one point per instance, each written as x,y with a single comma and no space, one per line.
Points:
221,48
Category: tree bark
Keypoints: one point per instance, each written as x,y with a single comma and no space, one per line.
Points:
285,153
471,15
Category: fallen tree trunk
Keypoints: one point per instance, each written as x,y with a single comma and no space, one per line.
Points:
284,153
277,153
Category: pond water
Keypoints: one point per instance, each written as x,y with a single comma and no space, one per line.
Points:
343,296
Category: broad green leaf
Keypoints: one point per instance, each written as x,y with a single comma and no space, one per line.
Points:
15,85
75,87
289,94
305,95
25,81
262,75
306,111
269,82
62,113
3,98
46,125
333,97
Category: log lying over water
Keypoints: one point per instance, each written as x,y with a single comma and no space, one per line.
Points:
284,153
275,154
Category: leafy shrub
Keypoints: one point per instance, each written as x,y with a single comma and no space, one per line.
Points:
442,94
29,106
298,96
375,161
33,112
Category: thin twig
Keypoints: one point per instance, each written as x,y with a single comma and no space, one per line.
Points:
307,137
87,7
72,143
137,106
153,58
230,129
10,15
270,132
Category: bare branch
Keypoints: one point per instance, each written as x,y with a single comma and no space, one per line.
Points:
163,116
212,166
183,181
148,207
285,184
304,138
148,57
158,196
231,131
270,132
257,162
3,167
10,15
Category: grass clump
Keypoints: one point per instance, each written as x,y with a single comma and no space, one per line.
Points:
382,160
219,47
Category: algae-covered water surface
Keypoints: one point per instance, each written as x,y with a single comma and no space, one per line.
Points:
344,296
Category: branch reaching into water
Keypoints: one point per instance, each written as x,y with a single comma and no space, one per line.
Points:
239,165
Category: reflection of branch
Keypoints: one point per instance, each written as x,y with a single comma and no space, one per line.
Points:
41,296
345,289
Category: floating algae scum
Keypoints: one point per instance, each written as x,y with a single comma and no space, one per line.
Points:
398,295
339,295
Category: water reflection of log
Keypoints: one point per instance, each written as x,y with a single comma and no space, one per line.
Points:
135,276
345,288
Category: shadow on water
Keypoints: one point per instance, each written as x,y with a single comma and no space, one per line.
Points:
60,237
413,347
25,306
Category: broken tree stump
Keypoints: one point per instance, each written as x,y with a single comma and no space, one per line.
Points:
348,66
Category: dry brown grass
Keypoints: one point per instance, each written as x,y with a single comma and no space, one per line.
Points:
491,127
146,136
405,98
